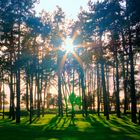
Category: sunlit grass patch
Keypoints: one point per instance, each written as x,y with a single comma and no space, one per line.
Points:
65,128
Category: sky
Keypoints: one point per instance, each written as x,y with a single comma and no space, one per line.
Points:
70,7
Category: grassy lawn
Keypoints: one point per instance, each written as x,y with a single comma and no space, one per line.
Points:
52,127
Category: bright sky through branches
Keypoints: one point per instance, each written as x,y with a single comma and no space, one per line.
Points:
70,7
69,44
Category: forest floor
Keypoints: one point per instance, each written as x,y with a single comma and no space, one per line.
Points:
52,127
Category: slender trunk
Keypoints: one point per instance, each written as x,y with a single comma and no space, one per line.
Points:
105,96
84,100
3,101
43,106
79,89
35,92
0,95
98,90
27,94
108,83
114,89
94,88
125,90
12,98
73,113
124,77
60,112
64,91
18,68
107,79
128,84
92,91
73,81
38,93
18,89
132,82
67,95
60,106
139,117
41,87
12,105
31,98
18,96
117,84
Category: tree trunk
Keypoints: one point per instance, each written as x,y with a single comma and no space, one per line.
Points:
31,98
117,85
12,105
105,96
18,96
38,92
3,101
0,95
27,94
60,106
124,77
132,82
12,97
84,100
44,100
98,90
79,88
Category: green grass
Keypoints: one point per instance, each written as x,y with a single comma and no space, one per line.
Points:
52,127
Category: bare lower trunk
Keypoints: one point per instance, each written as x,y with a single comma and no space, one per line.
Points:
18,97
84,100
105,96
60,105
98,90
31,98
117,85
132,82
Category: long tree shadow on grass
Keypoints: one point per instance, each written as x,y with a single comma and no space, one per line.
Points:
53,123
65,128
59,123
99,129
117,128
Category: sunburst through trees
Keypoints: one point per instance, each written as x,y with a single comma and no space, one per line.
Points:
89,65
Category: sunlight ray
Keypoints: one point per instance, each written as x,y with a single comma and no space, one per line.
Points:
63,62
62,36
78,59
86,45
74,35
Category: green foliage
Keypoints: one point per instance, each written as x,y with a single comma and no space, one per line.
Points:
78,101
75,100
72,98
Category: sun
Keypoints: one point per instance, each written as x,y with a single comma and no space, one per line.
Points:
69,47
68,44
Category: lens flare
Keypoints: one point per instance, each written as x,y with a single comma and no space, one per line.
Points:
68,44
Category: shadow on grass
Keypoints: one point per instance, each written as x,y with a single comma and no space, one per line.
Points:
66,128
